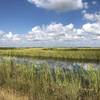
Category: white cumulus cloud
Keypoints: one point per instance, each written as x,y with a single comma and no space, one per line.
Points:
94,2
92,28
54,34
92,16
93,25
86,5
55,31
9,36
59,5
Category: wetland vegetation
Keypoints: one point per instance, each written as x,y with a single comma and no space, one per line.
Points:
23,81
55,53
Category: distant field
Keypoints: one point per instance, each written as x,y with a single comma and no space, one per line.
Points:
56,53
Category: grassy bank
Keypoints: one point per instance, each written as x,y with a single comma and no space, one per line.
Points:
56,53
42,83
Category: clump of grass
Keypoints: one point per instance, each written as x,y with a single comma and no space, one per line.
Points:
44,83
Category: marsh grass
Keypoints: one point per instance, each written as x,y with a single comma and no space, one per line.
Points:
56,53
45,83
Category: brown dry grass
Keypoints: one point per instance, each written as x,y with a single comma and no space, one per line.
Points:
10,95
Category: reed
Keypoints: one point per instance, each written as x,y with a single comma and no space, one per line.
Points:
45,83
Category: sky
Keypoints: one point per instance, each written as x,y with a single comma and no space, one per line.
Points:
49,23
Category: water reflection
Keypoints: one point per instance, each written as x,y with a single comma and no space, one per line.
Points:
51,62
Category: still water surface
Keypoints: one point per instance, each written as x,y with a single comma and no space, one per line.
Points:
51,62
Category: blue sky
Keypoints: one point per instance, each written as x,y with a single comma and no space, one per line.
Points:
60,22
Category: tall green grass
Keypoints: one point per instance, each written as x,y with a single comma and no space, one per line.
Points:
44,83
56,53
